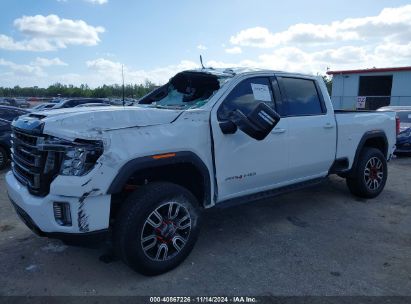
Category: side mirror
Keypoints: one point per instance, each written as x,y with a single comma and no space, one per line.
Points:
259,123
228,127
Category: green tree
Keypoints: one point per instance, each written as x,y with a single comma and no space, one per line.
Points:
328,82
58,89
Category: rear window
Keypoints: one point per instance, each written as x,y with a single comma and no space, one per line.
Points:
405,116
302,97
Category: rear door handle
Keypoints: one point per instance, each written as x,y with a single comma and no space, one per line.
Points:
278,130
328,125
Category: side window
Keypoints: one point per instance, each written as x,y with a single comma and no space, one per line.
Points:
302,97
245,97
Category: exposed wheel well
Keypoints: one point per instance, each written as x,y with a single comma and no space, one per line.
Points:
378,143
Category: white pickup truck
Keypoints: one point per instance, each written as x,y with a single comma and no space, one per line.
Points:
140,176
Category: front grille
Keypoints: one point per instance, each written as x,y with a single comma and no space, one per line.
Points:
29,162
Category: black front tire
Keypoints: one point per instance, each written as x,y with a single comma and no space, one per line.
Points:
4,158
359,182
133,218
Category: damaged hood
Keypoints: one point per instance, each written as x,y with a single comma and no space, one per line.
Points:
94,120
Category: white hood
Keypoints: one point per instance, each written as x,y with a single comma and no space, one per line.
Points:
91,121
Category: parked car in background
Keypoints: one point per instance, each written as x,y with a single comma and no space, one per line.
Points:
5,143
71,103
8,102
43,107
22,103
15,102
7,114
93,105
120,102
403,145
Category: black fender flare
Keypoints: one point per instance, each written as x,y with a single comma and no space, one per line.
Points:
156,161
369,135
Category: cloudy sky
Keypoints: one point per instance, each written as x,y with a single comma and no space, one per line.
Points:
87,41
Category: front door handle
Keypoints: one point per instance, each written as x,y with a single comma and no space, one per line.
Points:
278,130
328,125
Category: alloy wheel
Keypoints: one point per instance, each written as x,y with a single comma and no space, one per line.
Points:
166,231
373,173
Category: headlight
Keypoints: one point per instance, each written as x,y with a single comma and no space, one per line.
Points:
70,158
80,158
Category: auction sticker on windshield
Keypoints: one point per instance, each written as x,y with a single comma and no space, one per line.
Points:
261,92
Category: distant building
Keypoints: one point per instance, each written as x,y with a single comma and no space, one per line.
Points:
371,89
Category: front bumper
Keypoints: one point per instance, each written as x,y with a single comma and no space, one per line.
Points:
87,239
89,213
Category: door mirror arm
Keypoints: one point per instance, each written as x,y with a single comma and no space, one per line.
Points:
228,127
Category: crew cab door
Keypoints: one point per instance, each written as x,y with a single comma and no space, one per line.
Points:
245,165
312,128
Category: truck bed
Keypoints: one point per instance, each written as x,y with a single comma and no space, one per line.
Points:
352,125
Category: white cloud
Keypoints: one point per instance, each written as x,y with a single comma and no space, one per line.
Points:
394,51
45,62
97,1
234,50
381,40
394,24
47,33
107,71
31,74
294,59
91,1
22,69
201,47
254,37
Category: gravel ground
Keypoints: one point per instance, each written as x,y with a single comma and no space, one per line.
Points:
319,241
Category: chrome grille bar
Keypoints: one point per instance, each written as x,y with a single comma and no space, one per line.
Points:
27,160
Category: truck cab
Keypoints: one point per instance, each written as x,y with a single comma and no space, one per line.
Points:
141,176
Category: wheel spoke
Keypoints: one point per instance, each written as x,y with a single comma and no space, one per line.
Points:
181,225
161,248
178,242
151,241
173,214
155,219
376,184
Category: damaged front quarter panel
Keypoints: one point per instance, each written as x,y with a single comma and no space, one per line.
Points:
82,217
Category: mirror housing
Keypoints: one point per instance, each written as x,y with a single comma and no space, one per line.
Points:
259,123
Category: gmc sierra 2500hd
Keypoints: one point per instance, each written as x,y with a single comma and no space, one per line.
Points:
140,176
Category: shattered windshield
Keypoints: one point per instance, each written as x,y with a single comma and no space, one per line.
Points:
185,90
